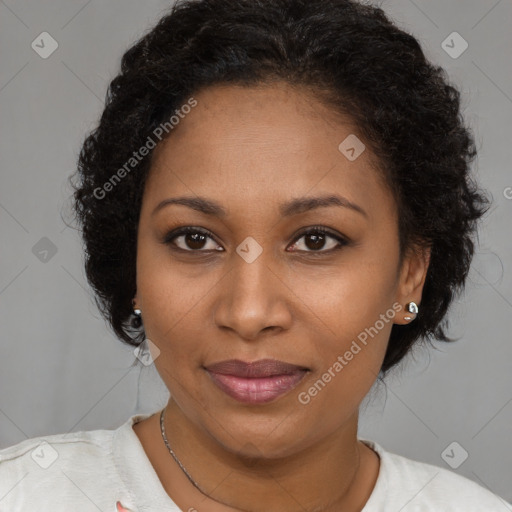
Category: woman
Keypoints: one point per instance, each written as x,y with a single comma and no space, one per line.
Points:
277,200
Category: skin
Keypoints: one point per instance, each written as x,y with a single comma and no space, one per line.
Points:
251,149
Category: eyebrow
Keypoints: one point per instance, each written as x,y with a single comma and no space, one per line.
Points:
292,207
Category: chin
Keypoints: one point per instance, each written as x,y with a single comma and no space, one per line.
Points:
266,436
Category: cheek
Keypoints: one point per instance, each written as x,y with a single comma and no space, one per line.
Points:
348,357
345,299
173,301
351,315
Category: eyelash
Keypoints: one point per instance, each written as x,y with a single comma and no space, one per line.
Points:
168,239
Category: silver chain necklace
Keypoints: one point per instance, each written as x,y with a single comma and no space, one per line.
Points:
162,429
187,474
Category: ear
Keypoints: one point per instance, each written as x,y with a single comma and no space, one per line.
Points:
412,275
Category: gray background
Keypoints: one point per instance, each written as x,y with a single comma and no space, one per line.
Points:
61,369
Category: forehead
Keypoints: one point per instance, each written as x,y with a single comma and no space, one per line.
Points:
262,144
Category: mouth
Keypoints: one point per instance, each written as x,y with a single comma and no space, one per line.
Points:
257,382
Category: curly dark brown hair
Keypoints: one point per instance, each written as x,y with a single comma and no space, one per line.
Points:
348,55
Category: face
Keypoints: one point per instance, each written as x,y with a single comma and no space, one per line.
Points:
260,281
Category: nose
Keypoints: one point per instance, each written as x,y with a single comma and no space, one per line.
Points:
252,299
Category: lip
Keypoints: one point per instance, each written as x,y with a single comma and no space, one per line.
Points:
257,382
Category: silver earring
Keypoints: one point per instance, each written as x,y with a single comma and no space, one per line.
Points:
136,311
412,307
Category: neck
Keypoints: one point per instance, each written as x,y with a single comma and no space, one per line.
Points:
328,475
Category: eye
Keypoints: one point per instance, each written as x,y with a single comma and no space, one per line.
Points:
191,237
315,239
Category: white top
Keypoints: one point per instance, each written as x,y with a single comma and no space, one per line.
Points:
93,470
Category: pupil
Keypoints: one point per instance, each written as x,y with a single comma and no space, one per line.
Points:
195,240
318,241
